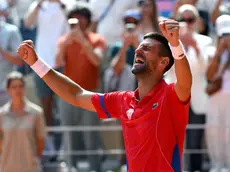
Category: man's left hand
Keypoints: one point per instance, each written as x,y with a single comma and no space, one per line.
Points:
170,29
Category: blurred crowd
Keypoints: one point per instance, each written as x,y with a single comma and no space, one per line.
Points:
93,42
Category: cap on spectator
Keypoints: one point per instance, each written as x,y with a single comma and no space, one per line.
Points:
133,14
223,25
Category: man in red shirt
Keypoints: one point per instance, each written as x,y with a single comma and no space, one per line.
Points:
154,117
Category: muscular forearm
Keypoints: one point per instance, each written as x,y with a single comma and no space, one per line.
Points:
183,73
63,86
11,57
118,63
31,18
95,58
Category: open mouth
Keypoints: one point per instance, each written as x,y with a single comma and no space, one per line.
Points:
139,59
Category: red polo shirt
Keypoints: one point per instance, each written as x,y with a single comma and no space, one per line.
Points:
153,128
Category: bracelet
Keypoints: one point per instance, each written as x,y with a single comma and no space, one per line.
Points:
41,68
178,52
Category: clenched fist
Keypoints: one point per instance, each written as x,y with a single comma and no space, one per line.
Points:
27,53
170,29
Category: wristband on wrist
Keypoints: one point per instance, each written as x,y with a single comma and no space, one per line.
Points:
41,68
178,52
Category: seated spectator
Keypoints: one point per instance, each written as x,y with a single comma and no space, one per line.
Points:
22,129
80,52
10,39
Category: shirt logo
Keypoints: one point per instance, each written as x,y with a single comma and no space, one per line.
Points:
129,113
154,105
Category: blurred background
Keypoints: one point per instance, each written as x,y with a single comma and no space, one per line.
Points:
93,42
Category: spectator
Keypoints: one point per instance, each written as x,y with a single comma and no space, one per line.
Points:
149,12
122,55
10,39
81,52
22,129
107,15
49,17
208,11
217,130
196,46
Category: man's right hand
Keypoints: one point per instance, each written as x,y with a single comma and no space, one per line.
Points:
27,53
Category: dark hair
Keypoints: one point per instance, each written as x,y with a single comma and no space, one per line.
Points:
14,76
164,48
81,8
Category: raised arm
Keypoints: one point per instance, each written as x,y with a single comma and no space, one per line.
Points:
32,14
60,84
183,84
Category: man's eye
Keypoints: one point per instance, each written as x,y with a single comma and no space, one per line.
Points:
146,48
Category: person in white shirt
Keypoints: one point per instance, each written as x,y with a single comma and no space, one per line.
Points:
50,19
49,16
195,45
107,17
218,118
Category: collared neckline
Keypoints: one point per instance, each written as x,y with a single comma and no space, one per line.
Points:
26,108
154,91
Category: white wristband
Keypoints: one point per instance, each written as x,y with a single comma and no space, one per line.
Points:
41,68
178,52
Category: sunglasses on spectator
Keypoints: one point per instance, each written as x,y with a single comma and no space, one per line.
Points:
187,20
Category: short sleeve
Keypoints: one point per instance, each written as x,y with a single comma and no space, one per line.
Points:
179,111
15,39
40,126
108,105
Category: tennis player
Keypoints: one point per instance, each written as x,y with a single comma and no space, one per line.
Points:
154,117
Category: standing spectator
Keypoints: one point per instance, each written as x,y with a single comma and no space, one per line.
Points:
119,76
149,12
107,15
10,38
81,52
50,19
196,46
218,119
208,11
22,130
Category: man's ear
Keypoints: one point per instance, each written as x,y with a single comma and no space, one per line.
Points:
164,61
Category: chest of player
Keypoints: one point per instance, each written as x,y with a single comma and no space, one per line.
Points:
144,121
139,119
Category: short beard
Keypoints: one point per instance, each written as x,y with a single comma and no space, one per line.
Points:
139,70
